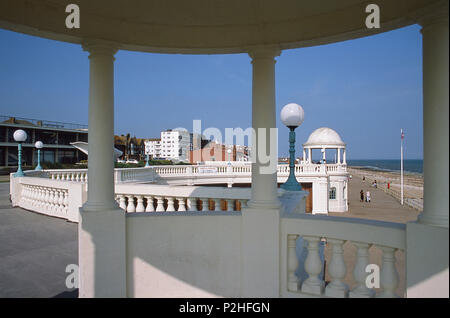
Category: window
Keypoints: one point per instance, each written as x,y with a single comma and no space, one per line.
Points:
332,193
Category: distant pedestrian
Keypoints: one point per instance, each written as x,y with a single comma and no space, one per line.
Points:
362,195
364,179
368,196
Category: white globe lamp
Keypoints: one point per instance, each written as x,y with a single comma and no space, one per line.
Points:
292,115
39,145
19,136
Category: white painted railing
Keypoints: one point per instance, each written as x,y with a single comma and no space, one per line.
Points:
363,234
191,173
164,198
50,197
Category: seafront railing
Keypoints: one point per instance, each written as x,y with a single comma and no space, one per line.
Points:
364,235
155,173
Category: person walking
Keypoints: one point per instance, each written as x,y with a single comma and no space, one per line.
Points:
368,196
362,195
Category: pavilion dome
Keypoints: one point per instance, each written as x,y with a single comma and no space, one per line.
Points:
323,137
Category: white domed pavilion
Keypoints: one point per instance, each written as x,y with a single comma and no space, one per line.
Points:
324,138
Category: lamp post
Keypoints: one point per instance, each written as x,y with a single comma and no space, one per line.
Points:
19,136
292,115
147,151
39,145
229,153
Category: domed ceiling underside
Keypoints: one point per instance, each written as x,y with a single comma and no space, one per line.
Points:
207,26
324,137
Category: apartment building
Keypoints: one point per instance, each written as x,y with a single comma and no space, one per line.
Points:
175,144
153,147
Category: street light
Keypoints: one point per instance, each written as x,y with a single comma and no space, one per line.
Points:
39,145
19,136
292,115
229,152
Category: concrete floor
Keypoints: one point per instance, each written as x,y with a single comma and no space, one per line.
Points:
34,252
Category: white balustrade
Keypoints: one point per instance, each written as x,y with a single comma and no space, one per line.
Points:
359,272
388,276
292,263
338,232
313,266
337,270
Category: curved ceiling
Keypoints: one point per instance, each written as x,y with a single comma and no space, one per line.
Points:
207,26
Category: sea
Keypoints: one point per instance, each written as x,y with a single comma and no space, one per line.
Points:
414,166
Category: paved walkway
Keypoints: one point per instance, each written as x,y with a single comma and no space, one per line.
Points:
382,207
34,252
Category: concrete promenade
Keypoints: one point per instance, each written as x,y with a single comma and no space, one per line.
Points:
34,252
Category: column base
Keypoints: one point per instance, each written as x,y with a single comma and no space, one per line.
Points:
102,253
427,273
260,252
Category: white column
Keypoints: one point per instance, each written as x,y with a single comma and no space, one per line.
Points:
309,155
101,238
435,119
261,219
427,250
344,157
339,155
101,128
304,155
264,185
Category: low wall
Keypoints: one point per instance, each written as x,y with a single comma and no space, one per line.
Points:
183,255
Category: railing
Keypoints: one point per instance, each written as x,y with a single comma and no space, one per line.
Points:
164,198
50,197
153,173
363,234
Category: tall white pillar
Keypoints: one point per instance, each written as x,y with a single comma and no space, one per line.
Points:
304,155
101,238
435,119
261,219
264,184
427,250
309,155
339,155
344,157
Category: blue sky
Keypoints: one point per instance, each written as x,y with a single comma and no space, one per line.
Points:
365,89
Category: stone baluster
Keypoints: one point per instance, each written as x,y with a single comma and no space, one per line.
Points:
181,205
388,276
359,272
54,201
47,199
217,206
140,204
160,204
131,207
313,266
149,207
66,202
170,204
60,201
192,204
337,270
122,202
230,205
205,204
292,263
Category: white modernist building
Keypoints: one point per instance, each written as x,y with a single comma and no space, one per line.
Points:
175,144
